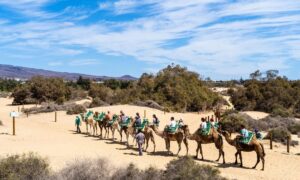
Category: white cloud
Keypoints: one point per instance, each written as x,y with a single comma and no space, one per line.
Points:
83,62
225,47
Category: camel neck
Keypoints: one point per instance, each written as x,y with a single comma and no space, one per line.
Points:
229,140
159,133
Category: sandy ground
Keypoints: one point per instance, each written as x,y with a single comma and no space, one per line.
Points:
58,142
256,115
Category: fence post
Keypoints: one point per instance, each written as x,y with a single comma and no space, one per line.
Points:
55,116
288,144
18,108
14,126
271,141
145,113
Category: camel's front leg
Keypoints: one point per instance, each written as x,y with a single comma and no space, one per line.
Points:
236,154
241,158
197,150
185,141
201,152
121,135
147,142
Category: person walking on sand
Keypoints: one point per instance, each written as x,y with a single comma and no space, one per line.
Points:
78,124
140,138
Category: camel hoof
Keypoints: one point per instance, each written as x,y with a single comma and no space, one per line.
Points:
241,166
262,169
235,163
195,157
253,167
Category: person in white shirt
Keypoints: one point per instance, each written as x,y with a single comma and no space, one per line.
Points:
203,124
172,123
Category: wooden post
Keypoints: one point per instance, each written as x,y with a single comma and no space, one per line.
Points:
145,113
14,126
18,108
288,144
55,116
271,141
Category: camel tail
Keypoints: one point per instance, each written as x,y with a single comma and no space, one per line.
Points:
263,150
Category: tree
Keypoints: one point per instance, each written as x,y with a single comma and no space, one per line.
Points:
84,83
256,75
271,74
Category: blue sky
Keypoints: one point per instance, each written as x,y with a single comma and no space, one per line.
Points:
221,39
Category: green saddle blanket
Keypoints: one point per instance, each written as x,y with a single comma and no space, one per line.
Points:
100,117
126,123
206,131
115,117
143,125
172,130
247,139
88,114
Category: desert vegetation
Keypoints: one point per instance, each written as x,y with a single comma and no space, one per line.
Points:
32,166
271,93
172,89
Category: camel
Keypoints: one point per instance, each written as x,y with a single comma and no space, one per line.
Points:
89,122
101,123
213,137
147,131
111,126
254,145
128,130
178,136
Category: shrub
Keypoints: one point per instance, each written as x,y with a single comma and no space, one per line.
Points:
279,134
186,168
76,109
149,103
85,170
26,166
97,102
232,122
133,173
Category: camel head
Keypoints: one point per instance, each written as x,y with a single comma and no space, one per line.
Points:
186,130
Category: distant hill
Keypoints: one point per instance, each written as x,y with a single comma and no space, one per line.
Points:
9,71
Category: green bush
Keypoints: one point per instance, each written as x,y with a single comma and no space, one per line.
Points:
185,168
24,167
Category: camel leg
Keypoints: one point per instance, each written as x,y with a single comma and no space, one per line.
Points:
241,158
121,135
179,147
153,141
257,160
223,154
263,162
185,141
127,138
197,150
113,133
147,142
201,152
236,154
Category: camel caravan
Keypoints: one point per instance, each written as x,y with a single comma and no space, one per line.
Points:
209,132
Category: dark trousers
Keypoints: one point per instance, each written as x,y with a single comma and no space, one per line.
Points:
140,145
78,129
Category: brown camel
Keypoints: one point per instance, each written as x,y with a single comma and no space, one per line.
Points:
101,123
178,136
254,145
89,121
128,130
213,137
111,125
149,135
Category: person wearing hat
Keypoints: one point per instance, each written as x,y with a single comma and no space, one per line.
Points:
78,124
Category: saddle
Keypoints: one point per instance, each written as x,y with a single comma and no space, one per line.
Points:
206,131
126,122
247,140
143,125
172,130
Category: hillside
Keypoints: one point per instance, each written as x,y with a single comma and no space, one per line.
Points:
9,71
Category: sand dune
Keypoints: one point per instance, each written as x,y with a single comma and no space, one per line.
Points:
57,141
